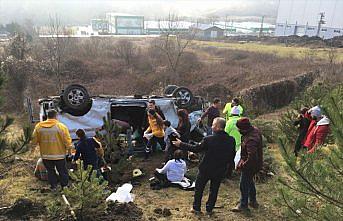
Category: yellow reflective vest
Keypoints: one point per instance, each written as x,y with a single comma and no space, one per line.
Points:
53,139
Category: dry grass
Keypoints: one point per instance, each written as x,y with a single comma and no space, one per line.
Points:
276,49
93,63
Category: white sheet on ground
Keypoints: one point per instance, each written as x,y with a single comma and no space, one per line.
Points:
122,195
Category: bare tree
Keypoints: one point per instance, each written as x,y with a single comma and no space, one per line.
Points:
126,50
19,46
56,44
173,43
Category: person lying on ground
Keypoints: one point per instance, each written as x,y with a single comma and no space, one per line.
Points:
303,122
211,113
319,132
173,171
250,163
154,133
219,151
88,148
170,134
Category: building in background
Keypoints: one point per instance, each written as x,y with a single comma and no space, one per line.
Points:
323,18
205,31
162,26
100,25
125,24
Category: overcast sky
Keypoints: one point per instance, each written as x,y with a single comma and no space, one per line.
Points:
81,11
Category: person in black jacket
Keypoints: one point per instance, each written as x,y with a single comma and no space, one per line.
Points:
184,125
184,129
87,147
303,122
152,105
219,151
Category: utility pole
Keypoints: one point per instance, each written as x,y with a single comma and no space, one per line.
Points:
321,22
225,30
261,29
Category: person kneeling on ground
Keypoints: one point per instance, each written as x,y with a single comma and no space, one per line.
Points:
88,148
173,171
219,151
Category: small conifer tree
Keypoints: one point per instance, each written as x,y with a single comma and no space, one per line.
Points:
86,193
313,188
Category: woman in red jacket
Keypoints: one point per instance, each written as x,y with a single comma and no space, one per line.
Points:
317,134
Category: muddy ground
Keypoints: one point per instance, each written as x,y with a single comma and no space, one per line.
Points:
165,204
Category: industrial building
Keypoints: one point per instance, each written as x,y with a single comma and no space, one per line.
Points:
162,26
323,18
125,24
204,31
100,25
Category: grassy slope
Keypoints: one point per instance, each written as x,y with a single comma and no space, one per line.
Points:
277,49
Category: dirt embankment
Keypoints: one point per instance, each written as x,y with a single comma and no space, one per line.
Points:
277,94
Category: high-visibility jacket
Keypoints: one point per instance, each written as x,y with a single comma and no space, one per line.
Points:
227,110
232,130
53,139
154,127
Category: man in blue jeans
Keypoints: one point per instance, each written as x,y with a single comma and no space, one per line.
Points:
250,163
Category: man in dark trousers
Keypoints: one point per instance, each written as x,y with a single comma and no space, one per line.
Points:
250,163
219,151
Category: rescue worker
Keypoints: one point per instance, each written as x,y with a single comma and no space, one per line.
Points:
54,142
230,105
